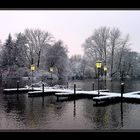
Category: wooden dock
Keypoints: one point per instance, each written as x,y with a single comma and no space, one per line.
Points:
40,93
81,94
17,91
64,93
105,98
130,96
46,92
104,95
40,89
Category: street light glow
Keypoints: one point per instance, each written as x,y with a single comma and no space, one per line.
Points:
32,67
98,64
51,69
105,68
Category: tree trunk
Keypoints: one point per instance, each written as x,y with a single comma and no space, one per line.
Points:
112,61
38,62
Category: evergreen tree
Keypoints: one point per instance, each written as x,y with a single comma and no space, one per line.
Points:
22,58
8,52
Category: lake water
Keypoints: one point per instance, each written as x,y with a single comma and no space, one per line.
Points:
38,113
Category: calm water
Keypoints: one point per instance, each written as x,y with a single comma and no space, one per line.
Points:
23,112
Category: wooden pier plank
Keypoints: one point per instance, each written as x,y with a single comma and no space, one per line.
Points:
104,98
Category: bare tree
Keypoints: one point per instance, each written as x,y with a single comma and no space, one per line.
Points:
100,40
108,46
115,42
124,45
37,40
96,46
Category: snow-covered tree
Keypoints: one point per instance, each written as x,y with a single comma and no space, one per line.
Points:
8,53
56,57
22,59
108,46
37,40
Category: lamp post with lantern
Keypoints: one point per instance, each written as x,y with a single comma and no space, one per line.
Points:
105,71
51,70
32,69
98,66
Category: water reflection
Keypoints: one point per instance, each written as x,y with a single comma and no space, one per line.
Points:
122,114
43,101
20,111
17,97
14,103
74,110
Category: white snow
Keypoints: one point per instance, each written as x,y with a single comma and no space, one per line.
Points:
13,89
66,92
106,97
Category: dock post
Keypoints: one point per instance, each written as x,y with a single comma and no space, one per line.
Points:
74,89
17,85
67,85
43,88
32,87
17,89
122,90
92,86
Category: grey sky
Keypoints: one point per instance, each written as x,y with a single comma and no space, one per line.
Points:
71,26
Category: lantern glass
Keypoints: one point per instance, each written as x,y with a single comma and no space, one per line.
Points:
98,64
32,67
105,68
51,69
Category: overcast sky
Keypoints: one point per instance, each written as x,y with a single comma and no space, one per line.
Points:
71,26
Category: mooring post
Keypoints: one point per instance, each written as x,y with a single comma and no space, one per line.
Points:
74,89
122,90
32,87
92,86
67,85
43,88
17,89
17,85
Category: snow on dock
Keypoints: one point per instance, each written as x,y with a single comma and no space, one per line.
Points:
49,91
133,96
133,93
106,97
81,93
15,90
63,92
